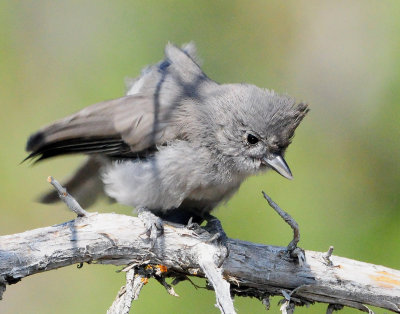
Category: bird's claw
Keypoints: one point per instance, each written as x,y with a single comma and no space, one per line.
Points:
194,226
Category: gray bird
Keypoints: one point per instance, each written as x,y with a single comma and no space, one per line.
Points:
178,144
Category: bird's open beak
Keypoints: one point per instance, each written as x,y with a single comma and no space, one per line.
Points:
279,164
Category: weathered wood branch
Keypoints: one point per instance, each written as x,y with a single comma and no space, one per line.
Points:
251,269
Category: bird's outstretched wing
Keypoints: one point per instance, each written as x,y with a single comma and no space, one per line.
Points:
128,127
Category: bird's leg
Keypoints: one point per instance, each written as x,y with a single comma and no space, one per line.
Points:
154,224
214,227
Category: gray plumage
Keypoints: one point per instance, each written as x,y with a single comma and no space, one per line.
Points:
178,143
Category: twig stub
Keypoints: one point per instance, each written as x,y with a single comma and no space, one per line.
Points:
327,256
67,198
291,222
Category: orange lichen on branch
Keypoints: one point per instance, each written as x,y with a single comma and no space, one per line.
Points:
83,226
162,268
387,274
385,279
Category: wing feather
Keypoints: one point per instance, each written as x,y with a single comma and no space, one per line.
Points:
118,127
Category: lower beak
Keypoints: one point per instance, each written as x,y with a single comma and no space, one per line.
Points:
279,164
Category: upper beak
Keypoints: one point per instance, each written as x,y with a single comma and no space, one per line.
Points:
279,164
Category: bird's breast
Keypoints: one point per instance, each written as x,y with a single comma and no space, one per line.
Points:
216,192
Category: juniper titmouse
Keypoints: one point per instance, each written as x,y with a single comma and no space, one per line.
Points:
178,143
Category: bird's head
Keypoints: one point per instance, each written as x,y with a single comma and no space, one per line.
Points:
252,127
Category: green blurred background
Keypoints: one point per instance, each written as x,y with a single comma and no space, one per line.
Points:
343,57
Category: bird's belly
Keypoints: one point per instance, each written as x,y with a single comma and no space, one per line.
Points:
214,193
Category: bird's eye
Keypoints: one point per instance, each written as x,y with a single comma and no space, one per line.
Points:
251,139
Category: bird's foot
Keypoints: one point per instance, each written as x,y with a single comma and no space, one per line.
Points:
154,224
212,231
214,227
217,236
194,226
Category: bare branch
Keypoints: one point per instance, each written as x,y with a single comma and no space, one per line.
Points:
251,269
193,253
128,293
214,275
